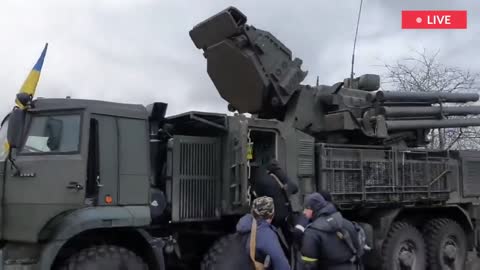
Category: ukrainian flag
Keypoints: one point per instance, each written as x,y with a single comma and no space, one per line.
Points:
30,84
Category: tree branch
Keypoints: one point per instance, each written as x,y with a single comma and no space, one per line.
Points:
422,71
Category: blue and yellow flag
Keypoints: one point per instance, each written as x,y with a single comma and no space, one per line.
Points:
30,84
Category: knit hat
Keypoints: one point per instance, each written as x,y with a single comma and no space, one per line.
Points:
326,195
315,201
263,207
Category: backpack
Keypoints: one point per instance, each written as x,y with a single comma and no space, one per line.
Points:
362,238
356,247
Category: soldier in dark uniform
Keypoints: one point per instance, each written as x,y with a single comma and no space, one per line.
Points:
330,241
272,181
302,220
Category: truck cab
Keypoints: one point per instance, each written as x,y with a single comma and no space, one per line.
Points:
75,166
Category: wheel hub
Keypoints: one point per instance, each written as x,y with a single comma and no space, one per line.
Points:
406,258
450,252
407,255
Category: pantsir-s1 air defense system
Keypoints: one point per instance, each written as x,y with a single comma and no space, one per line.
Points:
257,74
91,184
359,143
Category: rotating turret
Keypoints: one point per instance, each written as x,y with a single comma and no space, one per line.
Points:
256,73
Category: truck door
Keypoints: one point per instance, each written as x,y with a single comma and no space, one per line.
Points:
104,134
238,151
51,176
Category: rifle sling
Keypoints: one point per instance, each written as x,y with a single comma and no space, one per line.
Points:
253,246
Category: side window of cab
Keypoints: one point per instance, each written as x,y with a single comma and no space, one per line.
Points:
52,134
3,141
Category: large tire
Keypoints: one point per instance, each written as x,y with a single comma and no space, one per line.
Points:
228,253
446,244
104,258
403,248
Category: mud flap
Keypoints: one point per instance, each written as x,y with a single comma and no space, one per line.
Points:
157,245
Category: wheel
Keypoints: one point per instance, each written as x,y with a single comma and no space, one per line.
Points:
446,244
104,258
404,248
228,253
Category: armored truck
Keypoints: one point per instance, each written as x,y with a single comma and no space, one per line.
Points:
88,184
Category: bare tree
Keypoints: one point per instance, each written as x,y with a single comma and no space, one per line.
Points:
423,72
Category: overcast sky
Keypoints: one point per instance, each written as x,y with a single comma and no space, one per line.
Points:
139,51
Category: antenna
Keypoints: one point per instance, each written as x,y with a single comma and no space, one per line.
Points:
355,43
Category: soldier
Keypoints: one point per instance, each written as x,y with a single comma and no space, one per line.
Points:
272,181
262,244
302,221
330,241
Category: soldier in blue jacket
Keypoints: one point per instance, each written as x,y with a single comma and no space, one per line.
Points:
268,250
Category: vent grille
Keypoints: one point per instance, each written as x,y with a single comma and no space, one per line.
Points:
305,157
198,159
305,147
196,179
471,179
197,198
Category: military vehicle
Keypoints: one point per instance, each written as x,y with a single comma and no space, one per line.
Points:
89,184
363,145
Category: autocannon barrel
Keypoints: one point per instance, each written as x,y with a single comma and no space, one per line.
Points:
396,96
394,125
407,111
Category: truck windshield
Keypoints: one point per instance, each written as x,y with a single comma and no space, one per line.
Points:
3,141
53,134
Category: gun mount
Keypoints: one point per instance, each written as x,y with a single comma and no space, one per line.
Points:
256,73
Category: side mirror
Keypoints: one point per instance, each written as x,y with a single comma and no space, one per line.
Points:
16,123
